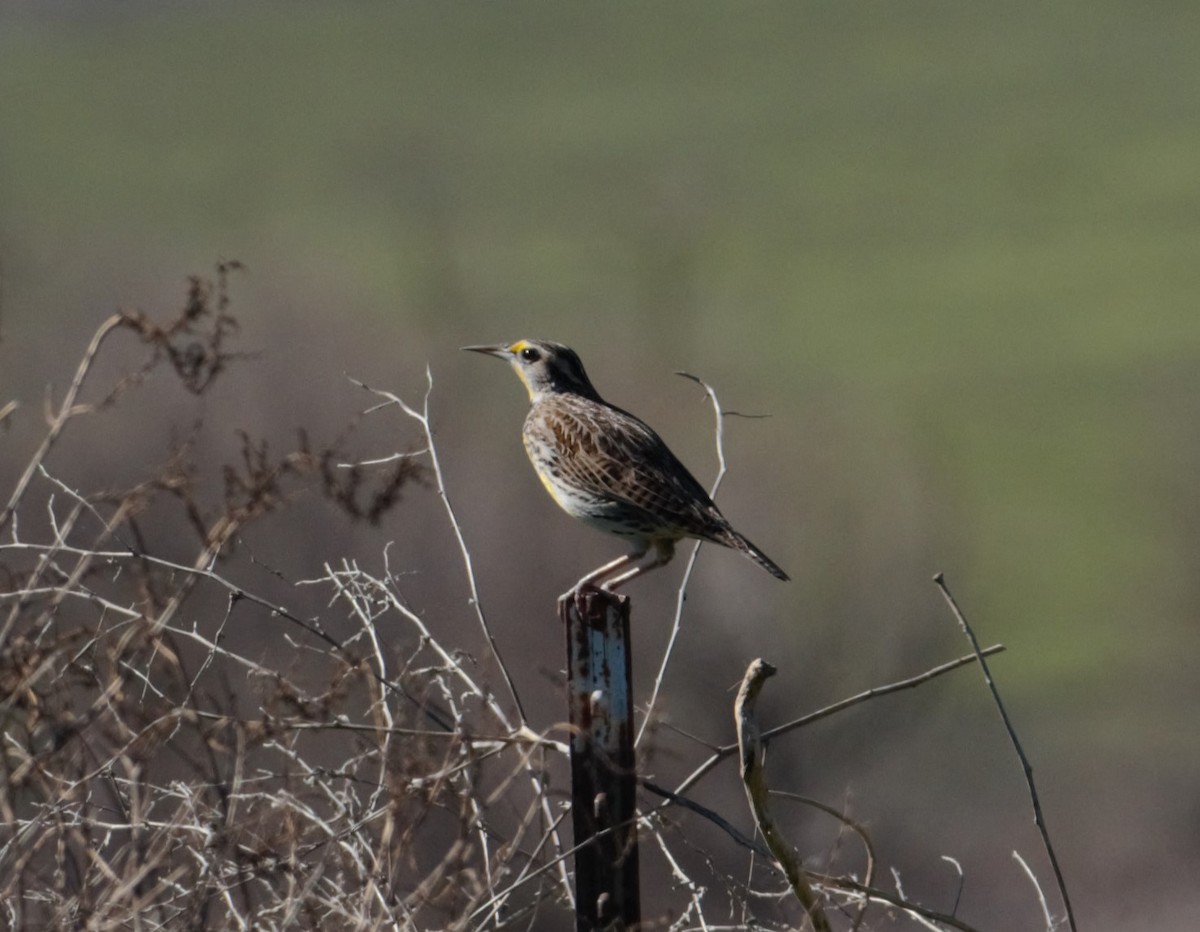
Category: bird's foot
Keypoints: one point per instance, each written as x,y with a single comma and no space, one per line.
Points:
582,593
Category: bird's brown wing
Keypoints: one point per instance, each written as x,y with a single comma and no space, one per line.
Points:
612,455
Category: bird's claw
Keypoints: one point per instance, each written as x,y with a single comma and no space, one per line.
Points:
581,593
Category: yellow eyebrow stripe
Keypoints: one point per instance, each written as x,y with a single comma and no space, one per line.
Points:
518,346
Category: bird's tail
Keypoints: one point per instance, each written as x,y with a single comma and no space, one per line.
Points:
741,544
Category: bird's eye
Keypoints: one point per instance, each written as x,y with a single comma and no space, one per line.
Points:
529,354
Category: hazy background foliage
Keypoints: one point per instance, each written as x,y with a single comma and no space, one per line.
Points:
954,251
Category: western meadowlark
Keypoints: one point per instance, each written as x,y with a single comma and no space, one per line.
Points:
607,468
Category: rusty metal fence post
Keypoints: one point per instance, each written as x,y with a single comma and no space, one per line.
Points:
603,770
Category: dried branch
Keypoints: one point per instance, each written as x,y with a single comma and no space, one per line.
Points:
66,411
753,758
1026,767
704,812
728,750
874,894
681,594
1038,890
422,418
858,829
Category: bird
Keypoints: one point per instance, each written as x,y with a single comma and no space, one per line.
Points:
609,469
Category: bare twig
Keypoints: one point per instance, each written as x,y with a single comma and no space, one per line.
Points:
1038,889
922,913
958,892
858,829
704,812
1026,767
719,416
681,594
422,418
727,750
66,411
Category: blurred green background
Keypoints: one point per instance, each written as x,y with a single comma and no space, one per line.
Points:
954,250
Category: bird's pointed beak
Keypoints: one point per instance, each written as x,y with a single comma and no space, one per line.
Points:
498,349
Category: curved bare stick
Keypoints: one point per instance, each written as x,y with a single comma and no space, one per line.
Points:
857,828
1037,889
753,756
681,596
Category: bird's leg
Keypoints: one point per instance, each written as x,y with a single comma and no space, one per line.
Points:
608,569
613,566
664,550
